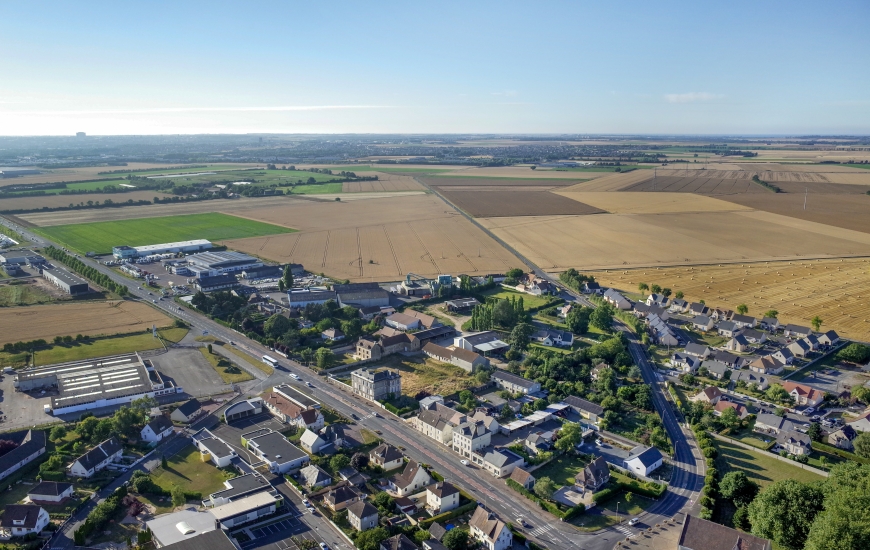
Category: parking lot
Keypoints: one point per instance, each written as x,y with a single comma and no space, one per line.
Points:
282,526
187,368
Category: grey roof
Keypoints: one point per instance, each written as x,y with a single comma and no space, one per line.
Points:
407,476
579,403
212,540
362,509
724,357
314,474
435,332
310,296
437,531
743,318
29,442
700,534
729,326
513,379
399,542
501,457
697,349
275,448
701,320
798,329
160,424
648,457
99,453
217,260
697,306
51,488
793,437
243,485
216,447
189,407
442,489
770,320
350,296
216,280
386,453
27,513
740,339
239,407
376,375
715,366
772,420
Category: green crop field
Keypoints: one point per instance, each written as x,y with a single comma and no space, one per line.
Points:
100,237
258,177
83,186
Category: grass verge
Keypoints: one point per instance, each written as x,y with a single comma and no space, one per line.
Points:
229,373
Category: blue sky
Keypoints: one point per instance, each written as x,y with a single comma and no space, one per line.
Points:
377,67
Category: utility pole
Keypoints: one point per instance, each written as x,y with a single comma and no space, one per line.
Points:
806,191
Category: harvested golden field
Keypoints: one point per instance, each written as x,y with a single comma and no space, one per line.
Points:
88,318
57,201
651,203
380,239
614,240
613,181
362,196
386,182
93,172
522,172
501,183
838,291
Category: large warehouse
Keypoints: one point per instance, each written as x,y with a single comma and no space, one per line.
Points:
71,284
96,383
127,252
218,263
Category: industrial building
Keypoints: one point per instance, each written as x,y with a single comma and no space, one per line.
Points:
95,383
210,264
361,295
22,257
215,283
124,252
66,281
276,451
301,298
240,487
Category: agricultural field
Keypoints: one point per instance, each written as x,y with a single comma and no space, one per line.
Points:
849,211
24,293
651,203
704,185
613,241
315,189
387,182
759,466
258,176
382,239
79,174
835,290
421,373
523,172
503,182
84,186
486,202
100,237
59,201
611,182
87,318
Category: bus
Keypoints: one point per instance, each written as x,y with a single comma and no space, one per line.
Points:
270,361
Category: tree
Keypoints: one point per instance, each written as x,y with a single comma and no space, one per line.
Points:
771,313
845,522
338,462
737,487
635,373
372,539
383,500
163,462
742,309
178,498
862,445
57,433
521,336
602,317
281,286
776,393
276,325
642,287
507,413
504,314
352,329
86,428
861,393
578,319
666,292
816,322
815,431
482,376
679,295
729,418
655,289
360,461
210,350
854,353
784,512
545,488
324,358
287,277
456,539
569,436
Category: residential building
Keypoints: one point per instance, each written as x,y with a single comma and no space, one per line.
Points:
728,359
400,342
843,438
469,437
442,497
438,422
367,348
276,452
794,442
401,321
830,338
685,362
398,542
586,409
744,321
19,520
332,334
710,394
426,321
245,510
362,515
97,458
412,479
240,487
538,442
679,305
766,365
501,462
513,383
738,343
558,338
784,356
313,477
721,314
311,442
386,456
186,412
465,359
702,323
290,412
754,336
701,534
594,476
524,478
212,448
643,460
716,369
489,531
489,422
698,350
31,444
341,496
803,394
727,328
696,308
861,424
376,385
156,430
796,331
749,378
771,424
770,324
657,300
591,287
799,348
616,299
50,492
597,370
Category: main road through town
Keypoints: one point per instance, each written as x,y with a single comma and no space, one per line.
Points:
490,492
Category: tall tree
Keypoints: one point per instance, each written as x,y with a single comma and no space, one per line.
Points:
784,512
521,336
324,358
742,309
816,322
737,487
569,436
545,487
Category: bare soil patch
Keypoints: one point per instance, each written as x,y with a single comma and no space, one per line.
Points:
612,182
513,203
651,203
385,182
840,210
531,181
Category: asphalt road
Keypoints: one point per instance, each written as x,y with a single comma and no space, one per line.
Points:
493,493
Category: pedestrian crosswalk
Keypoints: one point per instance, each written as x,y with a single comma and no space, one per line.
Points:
624,530
537,532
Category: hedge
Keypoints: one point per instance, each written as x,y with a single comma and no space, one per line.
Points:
578,510
819,446
544,504
604,495
425,523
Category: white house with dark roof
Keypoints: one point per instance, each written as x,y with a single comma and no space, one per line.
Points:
696,308
643,461
313,476
386,456
684,362
702,323
362,515
679,305
783,356
830,338
513,383
586,409
749,377
186,412
19,520
489,531
442,497
796,331
412,479
616,299
794,442
156,430
770,324
50,492
727,328
97,458
31,444
744,321
212,448
501,462
657,300
716,369
698,350
738,343
799,348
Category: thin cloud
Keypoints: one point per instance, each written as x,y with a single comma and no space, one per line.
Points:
691,97
203,110
506,93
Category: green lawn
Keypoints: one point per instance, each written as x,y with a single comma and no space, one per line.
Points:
761,467
221,365
316,189
187,470
22,295
529,301
99,347
100,237
561,469
597,519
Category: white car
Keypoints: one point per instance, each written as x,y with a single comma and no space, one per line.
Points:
599,442
809,411
633,521
294,376
464,462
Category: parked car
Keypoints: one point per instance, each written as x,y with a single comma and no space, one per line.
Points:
464,462
809,411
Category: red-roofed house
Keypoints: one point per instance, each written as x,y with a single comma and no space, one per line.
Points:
803,394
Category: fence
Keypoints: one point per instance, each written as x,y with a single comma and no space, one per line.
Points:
771,455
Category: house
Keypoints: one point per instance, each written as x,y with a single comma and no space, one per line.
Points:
744,321
597,370
538,442
698,350
843,438
186,412
441,497
564,311
489,531
716,369
554,338
50,492
861,424
679,305
702,323
643,460
828,339
386,456
591,287
657,300
313,476
799,348
812,341
501,462
311,442
292,413
594,476
641,310
586,409
749,378
616,299
766,365
412,479
701,534
367,349
341,496
353,476
376,384
803,394
398,542
696,308
159,428
438,421
426,321
275,451
710,394
524,478
513,383
212,448
794,442
465,359
727,328
684,362
362,515
796,331
97,458
489,422
31,444
470,437
23,519
754,336
663,333
770,324
728,359
783,356
721,406
769,423
738,343
402,321
332,334
367,313
721,314
396,343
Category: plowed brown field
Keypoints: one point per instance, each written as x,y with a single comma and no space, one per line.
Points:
501,182
840,210
494,203
385,182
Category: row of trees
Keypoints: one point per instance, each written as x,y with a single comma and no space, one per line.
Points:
86,271
499,313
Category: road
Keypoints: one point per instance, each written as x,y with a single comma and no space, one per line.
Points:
491,492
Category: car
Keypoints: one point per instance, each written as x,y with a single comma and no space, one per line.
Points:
354,416
232,343
815,418
306,503
599,442
522,523
309,384
633,521
724,398
808,411
323,546
294,376
464,462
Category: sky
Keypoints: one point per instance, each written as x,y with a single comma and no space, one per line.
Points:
750,68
